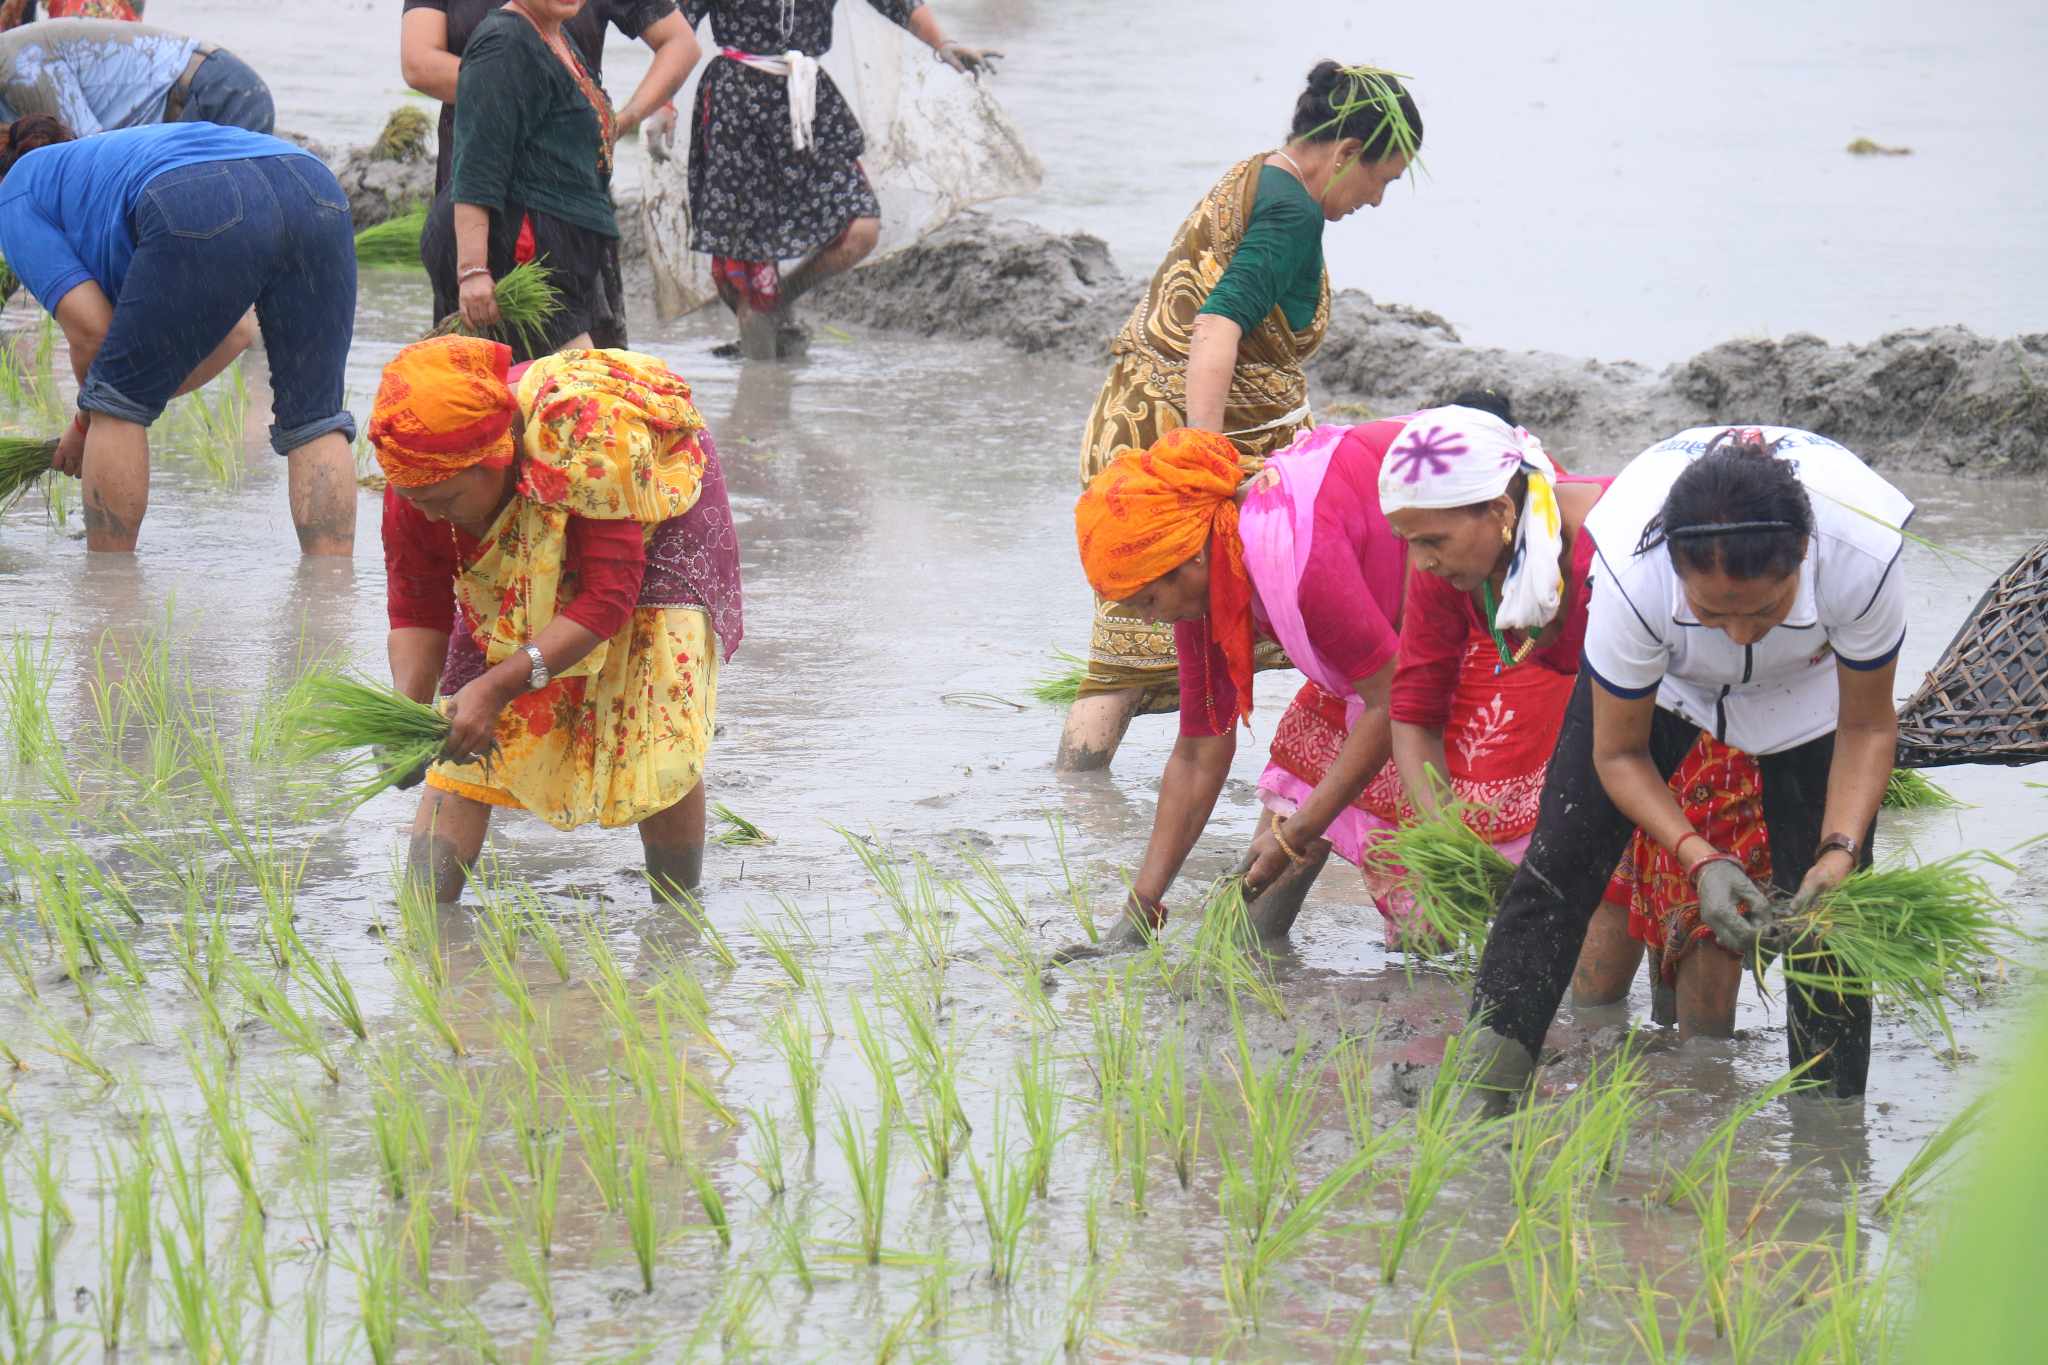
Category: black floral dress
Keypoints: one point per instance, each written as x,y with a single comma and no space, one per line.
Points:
753,196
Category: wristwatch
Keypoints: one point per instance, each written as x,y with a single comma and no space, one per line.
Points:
537,678
1837,841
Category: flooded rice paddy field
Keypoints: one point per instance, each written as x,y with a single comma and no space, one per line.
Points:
257,1108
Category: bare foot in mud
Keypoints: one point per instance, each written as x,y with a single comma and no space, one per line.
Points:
1129,934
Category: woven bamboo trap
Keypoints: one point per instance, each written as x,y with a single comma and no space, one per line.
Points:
1987,700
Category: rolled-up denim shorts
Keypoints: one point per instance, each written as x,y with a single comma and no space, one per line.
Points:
212,240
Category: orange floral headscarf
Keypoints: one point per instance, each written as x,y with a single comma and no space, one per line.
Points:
1151,511
442,406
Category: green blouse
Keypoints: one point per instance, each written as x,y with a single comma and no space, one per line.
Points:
525,134
1279,262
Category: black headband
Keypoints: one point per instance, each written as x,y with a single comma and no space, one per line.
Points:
1728,528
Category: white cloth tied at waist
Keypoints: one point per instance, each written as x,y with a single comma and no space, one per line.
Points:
801,71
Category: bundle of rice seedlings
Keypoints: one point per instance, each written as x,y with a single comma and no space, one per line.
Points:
23,460
395,241
1906,936
1908,790
738,831
526,301
328,712
404,137
1456,878
1060,689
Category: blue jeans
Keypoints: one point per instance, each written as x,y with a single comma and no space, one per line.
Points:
210,241
226,90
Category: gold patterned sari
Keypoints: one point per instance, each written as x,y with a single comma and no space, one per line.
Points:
1145,396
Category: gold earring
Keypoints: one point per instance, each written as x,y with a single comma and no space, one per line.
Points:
1507,536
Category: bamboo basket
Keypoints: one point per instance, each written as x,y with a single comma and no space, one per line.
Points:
1987,700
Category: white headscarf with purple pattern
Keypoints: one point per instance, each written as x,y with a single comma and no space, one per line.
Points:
1456,457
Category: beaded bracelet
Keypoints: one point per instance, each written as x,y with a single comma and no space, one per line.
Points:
1280,837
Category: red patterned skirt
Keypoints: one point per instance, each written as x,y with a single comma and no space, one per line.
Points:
1721,792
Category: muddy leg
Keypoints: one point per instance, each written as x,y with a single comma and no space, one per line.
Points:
838,256
1709,978
1095,727
1607,959
1273,913
674,843
1663,998
447,835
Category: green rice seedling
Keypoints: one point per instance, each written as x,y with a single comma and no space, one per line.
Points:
1079,895
14,953
1225,956
378,1292
678,989
1933,1158
419,925
23,460
767,1147
1901,934
536,924
30,672
16,1309
230,1119
1456,878
502,964
1039,1100
1084,1300
46,1169
429,1001
1019,966
1647,1325
781,946
1772,1286
709,1199
867,1162
315,1202
124,1233
737,1305
211,422
1179,1123
255,1248
790,1036
329,712
465,1099
917,905
65,1046
597,1127
1116,1017
1252,1254
1713,1152
791,1229
736,831
527,301
1908,789
329,985
691,911
1352,1061
547,1190
398,1124
881,1061
1063,684
641,1213
608,984
1440,1289
1442,1143
191,1292
395,241
1004,1188
682,1079
935,1061
268,1000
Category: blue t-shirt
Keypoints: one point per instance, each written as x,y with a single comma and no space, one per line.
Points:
64,209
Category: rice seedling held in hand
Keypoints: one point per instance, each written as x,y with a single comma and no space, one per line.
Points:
1909,789
23,460
1905,935
328,712
527,301
1455,877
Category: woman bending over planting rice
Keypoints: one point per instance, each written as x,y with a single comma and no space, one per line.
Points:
153,247
1746,585
561,558
1299,554
1493,626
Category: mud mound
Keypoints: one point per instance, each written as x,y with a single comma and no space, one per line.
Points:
987,278
1939,397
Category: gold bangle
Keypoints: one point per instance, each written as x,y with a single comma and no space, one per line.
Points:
1280,837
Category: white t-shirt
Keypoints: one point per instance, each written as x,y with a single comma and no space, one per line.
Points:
1642,635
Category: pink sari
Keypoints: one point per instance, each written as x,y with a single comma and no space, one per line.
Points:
1277,522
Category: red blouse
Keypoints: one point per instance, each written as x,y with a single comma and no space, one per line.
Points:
1438,621
604,560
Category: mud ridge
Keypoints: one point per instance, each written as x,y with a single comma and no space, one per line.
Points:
1939,397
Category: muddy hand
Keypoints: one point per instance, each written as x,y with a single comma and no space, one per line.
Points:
969,61
70,456
1131,931
1725,892
385,758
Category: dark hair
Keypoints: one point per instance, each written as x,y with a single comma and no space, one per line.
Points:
1359,102
1738,510
27,133
1488,400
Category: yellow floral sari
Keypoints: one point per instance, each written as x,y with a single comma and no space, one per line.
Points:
621,734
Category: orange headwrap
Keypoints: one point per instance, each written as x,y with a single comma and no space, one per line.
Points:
1151,511
443,405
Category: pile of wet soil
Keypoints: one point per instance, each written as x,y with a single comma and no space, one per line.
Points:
1943,397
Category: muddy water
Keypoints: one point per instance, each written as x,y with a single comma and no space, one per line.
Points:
909,564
